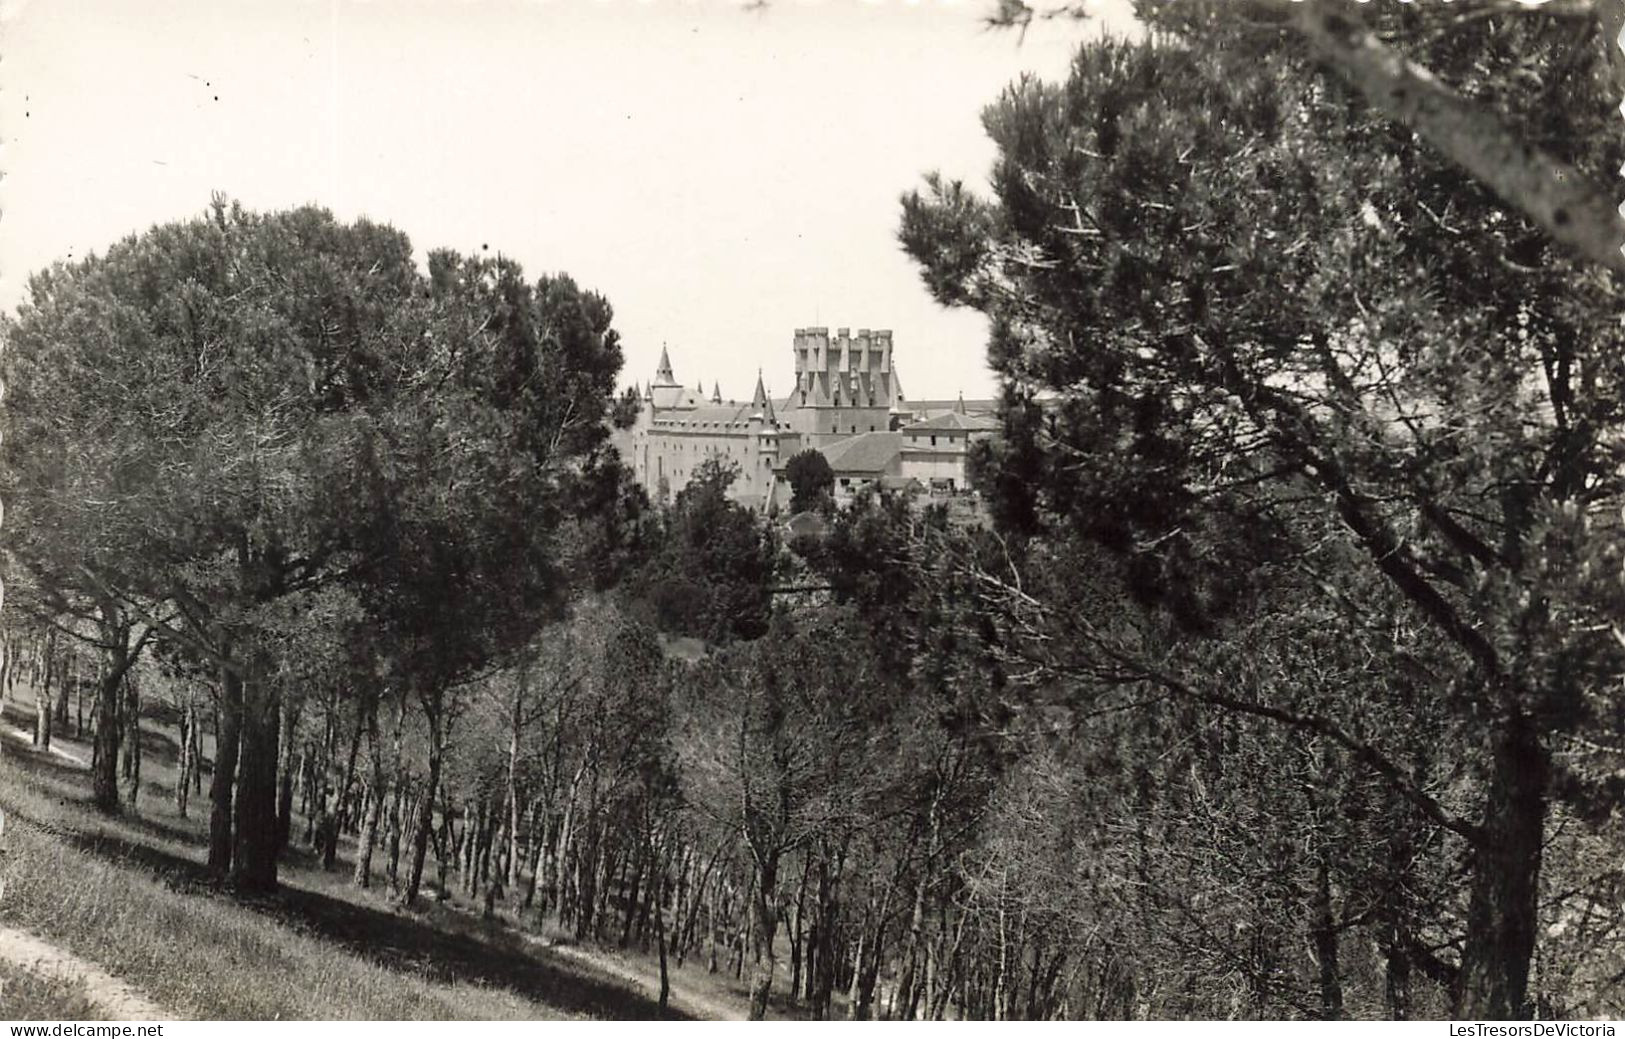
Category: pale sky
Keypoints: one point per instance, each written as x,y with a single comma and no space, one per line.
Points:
722,175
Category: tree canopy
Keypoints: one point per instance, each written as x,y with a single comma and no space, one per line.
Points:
811,480
1291,352
221,417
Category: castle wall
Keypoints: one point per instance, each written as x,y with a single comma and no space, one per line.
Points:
845,385
931,464
669,445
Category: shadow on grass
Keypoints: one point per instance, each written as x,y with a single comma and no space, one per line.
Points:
21,751
157,745
400,941
459,951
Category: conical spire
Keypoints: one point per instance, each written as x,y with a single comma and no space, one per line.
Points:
663,375
761,404
716,393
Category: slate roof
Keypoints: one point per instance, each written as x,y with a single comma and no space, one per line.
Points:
954,420
705,414
933,408
865,453
667,396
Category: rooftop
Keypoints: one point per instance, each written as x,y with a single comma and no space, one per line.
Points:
864,453
954,420
706,414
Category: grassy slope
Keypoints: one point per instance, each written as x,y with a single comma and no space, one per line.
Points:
26,996
131,895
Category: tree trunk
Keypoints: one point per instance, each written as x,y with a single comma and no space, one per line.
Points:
560,871
338,812
79,701
630,898
67,680
908,985
288,767
397,810
711,929
660,937
536,839
865,975
368,838
425,820
823,950
767,924
1501,914
1324,937
227,743
798,925
852,1008
7,666
1394,928
51,678
42,711
514,735
448,843
257,840
375,793
131,719
188,762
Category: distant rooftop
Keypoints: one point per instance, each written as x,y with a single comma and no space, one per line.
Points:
954,420
864,453
977,406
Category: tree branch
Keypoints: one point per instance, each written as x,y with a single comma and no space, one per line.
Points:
1572,210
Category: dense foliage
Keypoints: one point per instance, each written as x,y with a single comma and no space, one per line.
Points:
1278,674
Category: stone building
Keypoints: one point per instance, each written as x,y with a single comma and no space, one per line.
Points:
678,428
847,402
845,385
935,450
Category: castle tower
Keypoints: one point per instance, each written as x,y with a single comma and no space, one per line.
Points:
663,375
845,383
761,405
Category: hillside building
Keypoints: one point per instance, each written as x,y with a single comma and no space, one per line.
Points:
847,402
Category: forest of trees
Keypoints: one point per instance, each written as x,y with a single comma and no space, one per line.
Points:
1285,676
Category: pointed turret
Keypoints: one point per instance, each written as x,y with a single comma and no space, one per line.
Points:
663,375
761,404
716,393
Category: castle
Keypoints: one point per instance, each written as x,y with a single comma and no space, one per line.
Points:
847,404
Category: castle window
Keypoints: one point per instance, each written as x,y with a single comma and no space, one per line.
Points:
933,441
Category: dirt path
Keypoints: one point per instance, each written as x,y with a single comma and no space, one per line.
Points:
115,999
688,1002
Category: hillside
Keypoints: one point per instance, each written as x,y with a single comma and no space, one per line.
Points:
127,901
